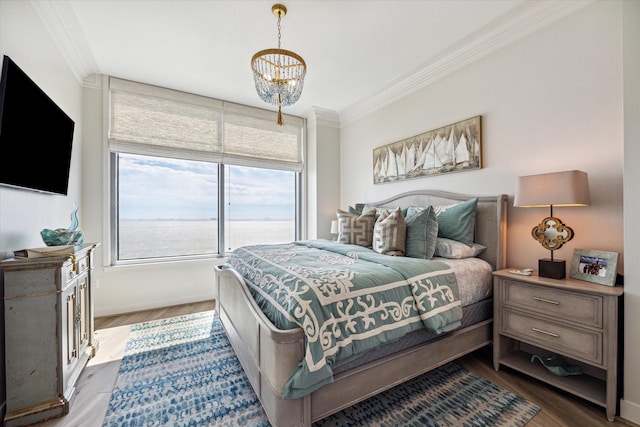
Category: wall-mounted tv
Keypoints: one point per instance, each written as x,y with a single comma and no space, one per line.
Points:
36,136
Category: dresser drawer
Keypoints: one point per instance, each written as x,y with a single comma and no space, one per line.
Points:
573,342
567,306
82,265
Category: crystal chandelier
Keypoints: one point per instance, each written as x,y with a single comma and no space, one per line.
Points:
278,73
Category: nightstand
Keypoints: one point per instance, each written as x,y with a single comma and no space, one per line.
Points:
578,320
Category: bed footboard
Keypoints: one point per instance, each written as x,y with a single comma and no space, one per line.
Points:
269,356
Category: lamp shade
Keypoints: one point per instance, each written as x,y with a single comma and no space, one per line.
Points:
568,188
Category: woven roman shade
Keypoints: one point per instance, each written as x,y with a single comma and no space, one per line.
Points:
252,138
151,120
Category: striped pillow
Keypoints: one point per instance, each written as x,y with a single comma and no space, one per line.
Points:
354,229
389,233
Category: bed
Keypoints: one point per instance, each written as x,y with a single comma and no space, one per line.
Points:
270,355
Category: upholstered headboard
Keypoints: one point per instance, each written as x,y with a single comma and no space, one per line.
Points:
491,218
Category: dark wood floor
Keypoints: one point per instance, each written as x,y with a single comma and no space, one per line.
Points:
558,408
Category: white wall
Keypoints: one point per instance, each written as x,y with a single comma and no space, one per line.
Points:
322,169
630,404
24,213
551,101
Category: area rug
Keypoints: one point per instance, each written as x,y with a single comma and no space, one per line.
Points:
182,371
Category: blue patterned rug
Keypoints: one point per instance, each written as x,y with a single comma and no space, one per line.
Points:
182,371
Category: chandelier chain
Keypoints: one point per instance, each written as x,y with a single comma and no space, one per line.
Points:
279,19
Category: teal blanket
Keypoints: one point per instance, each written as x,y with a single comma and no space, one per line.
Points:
348,299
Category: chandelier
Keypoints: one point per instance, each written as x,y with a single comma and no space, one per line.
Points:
278,73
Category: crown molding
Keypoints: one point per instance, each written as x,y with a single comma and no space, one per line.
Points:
60,20
317,116
526,18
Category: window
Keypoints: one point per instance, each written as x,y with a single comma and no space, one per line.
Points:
260,206
193,176
166,207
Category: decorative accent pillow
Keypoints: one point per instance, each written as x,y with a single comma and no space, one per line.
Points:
422,231
457,221
354,211
389,233
447,248
354,229
379,210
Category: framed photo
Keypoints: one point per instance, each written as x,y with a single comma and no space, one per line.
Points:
594,266
453,148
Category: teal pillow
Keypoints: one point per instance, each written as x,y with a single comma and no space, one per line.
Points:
354,211
422,232
457,221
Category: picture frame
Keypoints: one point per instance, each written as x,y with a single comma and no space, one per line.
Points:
594,266
455,147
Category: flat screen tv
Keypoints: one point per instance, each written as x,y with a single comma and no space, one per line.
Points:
36,136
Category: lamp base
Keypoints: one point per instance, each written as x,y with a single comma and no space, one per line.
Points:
552,268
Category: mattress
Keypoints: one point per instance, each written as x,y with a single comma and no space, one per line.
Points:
474,276
475,282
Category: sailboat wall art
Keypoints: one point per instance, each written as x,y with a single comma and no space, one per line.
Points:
452,148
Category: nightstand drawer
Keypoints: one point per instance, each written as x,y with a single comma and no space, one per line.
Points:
580,308
573,342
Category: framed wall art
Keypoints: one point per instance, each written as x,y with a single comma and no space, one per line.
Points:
453,148
594,266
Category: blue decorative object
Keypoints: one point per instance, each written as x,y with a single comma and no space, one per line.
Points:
64,236
557,365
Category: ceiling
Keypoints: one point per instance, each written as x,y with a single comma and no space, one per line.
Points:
360,55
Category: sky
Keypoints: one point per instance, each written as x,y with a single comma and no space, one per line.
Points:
159,188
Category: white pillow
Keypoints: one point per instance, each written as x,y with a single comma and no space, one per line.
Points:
447,248
389,233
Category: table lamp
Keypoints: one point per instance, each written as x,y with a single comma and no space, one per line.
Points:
334,227
568,188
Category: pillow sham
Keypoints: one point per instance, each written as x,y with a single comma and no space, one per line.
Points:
457,221
356,229
380,210
422,231
447,248
389,233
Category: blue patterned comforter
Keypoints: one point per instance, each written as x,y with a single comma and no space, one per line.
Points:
348,299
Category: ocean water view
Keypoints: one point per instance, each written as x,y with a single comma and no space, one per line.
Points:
167,238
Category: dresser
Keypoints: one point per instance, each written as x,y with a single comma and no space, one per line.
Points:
577,320
49,333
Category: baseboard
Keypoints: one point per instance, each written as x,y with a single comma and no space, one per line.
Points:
153,305
630,411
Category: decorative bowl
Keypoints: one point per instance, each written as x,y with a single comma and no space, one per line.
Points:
62,236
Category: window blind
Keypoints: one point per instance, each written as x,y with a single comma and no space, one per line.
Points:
151,120
252,138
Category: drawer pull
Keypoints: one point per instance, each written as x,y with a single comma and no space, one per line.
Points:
545,300
545,332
